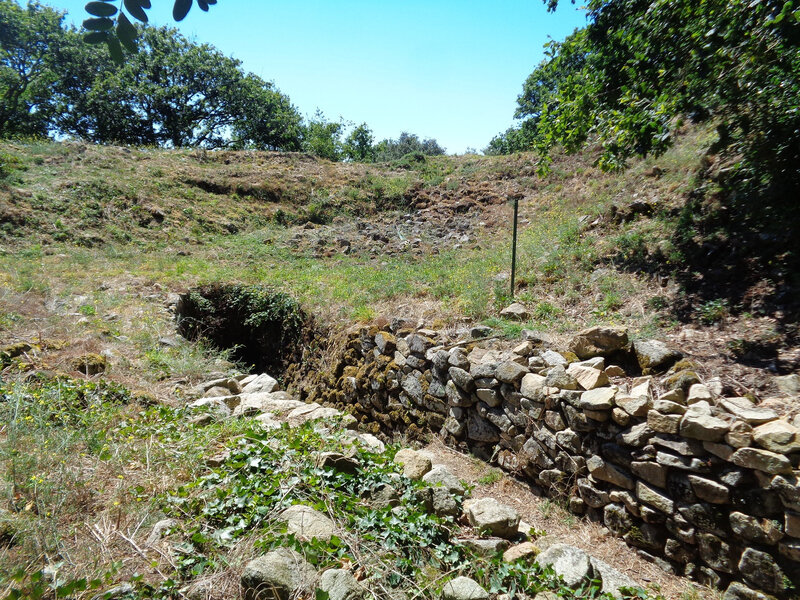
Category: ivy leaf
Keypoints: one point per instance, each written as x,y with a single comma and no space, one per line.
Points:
181,9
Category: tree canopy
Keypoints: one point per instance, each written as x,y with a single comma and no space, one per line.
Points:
637,67
406,143
28,36
629,81
173,92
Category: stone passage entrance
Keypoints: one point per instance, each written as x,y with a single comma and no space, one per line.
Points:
265,329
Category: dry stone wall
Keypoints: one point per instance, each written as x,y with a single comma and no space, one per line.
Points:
702,483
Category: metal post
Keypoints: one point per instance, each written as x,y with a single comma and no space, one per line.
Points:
514,247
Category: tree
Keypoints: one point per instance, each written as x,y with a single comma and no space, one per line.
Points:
323,138
391,149
358,144
265,119
513,139
172,93
26,66
639,70
638,65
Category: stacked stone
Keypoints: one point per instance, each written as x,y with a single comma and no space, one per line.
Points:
704,485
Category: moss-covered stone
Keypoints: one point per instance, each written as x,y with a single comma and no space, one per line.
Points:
7,353
90,364
570,357
682,380
682,365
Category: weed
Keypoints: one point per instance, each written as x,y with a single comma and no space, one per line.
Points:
502,295
631,248
8,164
9,319
509,329
490,477
545,311
658,302
87,310
713,311
363,314
610,302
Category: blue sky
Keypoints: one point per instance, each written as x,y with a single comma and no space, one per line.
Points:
438,68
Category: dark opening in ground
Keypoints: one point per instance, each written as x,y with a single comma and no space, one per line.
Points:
265,329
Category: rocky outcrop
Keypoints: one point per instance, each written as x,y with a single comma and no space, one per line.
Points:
703,484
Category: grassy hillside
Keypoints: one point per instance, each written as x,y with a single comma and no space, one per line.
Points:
95,238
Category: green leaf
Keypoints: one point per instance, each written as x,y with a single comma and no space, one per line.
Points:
95,37
181,9
134,7
100,24
127,34
101,9
321,595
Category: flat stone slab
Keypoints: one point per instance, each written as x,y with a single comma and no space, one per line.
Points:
307,523
762,460
572,564
747,411
489,515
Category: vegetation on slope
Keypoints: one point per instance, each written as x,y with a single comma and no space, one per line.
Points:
630,79
428,238
77,525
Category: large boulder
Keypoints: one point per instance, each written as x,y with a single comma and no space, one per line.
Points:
490,516
277,575
515,312
761,571
654,356
598,341
415,464
260,383
440,476
613,581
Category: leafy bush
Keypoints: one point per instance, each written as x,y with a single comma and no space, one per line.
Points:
8,164
712,311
